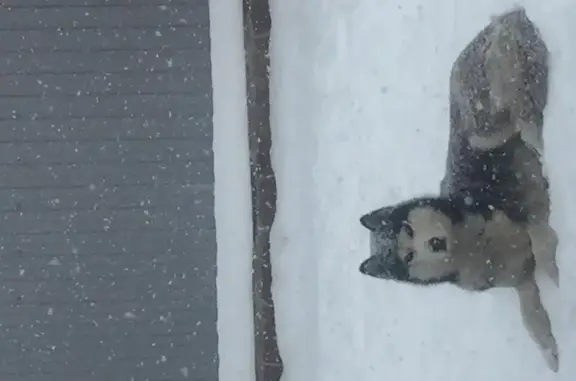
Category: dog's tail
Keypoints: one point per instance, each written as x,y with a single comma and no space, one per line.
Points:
513,84
503,61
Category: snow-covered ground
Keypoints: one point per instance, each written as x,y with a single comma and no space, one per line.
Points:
360,120
360,90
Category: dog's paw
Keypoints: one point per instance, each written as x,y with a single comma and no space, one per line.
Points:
551,357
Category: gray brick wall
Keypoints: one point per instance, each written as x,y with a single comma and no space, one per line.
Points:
107,242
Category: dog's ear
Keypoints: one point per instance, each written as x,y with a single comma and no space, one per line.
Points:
371,221
376,218
373,266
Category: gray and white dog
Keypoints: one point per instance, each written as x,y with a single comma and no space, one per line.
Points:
489,225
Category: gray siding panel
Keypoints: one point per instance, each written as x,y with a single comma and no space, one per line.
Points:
100,17
108,248
104,175
104,129
15,4
101,62
117,105
55,40
127,82
111,198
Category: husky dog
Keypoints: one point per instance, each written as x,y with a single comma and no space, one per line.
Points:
489,225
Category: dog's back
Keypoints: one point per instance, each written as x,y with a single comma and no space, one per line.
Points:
498,92
509,177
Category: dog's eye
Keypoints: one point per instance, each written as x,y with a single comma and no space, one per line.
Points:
437,244
408,229
409,257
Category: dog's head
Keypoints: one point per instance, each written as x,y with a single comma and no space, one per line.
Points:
412,241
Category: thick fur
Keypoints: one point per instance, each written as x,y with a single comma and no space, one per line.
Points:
489,225
498,92
499,83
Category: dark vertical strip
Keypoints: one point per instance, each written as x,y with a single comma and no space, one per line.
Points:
257,25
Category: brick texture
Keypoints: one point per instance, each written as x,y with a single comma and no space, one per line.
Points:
107,243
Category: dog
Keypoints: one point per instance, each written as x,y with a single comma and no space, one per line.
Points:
489,226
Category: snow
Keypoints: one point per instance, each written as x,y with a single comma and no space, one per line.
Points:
360,92
232,194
